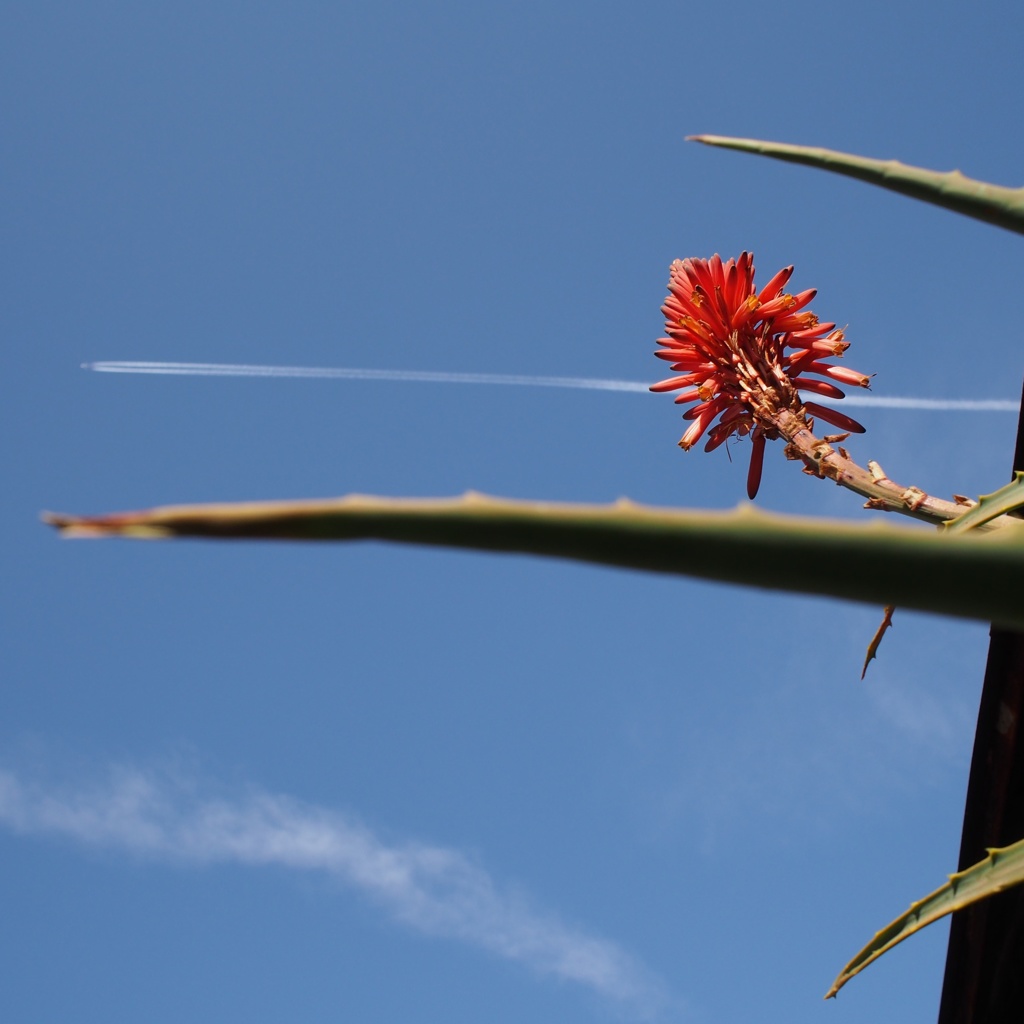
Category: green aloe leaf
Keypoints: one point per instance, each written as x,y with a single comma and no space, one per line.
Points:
1001,869
977,575
989,507
994,204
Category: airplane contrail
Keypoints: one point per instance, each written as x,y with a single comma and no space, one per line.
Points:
522,380
351,373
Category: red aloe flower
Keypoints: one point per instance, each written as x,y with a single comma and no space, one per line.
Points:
744,356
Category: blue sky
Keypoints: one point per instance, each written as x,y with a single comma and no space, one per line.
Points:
284,782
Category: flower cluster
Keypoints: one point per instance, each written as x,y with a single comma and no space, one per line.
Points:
744,355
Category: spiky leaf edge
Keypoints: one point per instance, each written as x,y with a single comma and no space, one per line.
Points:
979,575
989,506
1002,869
994,204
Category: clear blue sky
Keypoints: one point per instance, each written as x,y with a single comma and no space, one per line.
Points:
284,783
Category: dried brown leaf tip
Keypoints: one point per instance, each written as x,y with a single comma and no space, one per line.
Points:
744,355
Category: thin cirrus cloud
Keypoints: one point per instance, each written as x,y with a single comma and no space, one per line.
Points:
521,380
434,890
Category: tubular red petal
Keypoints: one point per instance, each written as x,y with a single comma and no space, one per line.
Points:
731,287
802,298
746,265
734,412
674,383
836,342
695,367
687,276
707,275
743,312
688,396
708,388
798,325
710,315
756,465
833,345
842,374
699,326
774,287
718,436
683,358
780,305
697,428
678,304
797,361
687,345
723,307
837,419
714,406
817,387
739,284
806,334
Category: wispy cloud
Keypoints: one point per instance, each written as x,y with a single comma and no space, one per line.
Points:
435,890
521,380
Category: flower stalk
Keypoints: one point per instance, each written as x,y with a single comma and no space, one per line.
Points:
822,460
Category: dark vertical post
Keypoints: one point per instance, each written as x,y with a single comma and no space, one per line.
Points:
984,980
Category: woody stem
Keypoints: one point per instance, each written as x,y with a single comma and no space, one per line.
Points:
822,460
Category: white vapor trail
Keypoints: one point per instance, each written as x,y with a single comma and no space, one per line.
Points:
346,373
437,377
432,889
